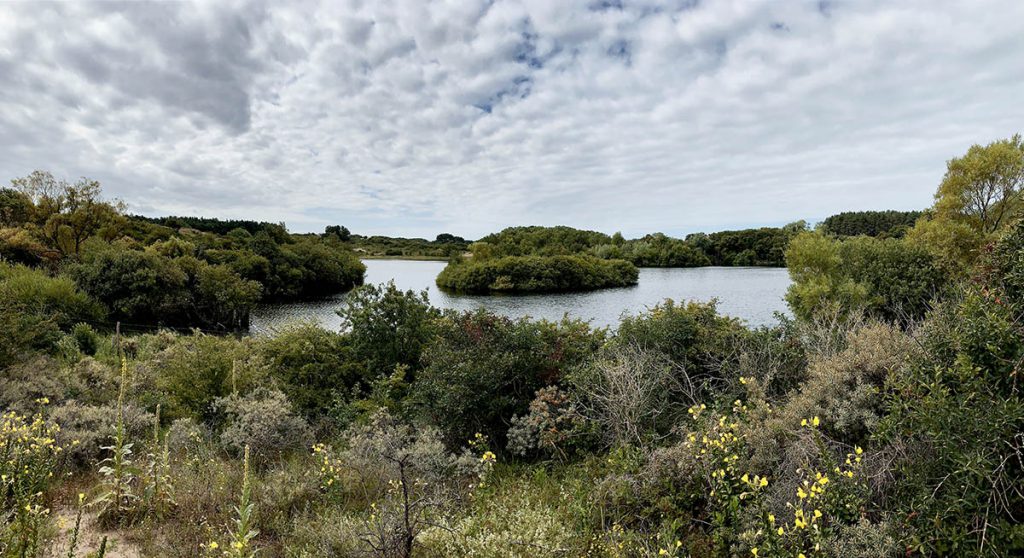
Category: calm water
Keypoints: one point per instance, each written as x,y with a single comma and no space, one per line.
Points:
753,294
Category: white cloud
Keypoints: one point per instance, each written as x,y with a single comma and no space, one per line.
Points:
412,117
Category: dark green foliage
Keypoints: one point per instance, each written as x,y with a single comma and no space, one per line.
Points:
654,250
314,367
692,335
761,247
216,226
143,287
388,327
871,223
15,207
536,274
543,241
86,338
959,414
338,231
483,369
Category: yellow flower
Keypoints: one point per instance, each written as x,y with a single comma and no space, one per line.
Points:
754,551
663,552
771,519
858,450
817,514
803,422
781,531
800,493
815,421
213,545
743,380
801,555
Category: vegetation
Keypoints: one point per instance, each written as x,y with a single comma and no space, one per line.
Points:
883,224
172,271
883,419
535,274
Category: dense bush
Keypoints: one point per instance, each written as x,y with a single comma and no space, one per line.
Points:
536,274
263,421
483,369
388,327
317,369
889,278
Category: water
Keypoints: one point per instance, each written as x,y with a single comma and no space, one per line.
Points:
752,294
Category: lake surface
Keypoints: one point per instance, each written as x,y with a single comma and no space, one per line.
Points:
753,294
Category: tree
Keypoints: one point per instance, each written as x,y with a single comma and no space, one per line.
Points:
342,233
985,185
68,214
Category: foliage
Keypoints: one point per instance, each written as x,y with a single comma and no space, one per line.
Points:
483,369
984,186
263,424
883,224
536,274
388,327
315,368
889,278
28,458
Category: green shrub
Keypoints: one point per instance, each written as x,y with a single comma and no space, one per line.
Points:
483,369
530,274
86,338
314,367
388,327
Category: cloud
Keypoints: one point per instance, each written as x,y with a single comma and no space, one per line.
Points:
411,117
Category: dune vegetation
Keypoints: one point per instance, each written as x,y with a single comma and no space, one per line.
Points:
883,419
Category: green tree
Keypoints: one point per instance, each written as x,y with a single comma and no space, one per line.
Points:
985,185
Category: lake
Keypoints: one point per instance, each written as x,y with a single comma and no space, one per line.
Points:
753,294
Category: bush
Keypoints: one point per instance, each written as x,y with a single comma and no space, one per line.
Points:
536,274
86,338
85,430
889,278
388,327
193,371
57,298
483,369
263,421
314,367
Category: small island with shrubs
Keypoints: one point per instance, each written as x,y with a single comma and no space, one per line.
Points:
535,274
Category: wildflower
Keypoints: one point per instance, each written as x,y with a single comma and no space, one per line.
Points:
754,551
815,421
662,552
743,380
858,450
800,493
771,519
213,545
781,531
488,457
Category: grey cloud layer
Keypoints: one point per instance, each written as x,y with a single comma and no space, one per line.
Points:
413,117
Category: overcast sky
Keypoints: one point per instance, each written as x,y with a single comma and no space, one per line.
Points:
413,118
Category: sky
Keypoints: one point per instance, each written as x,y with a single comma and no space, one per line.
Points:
415,117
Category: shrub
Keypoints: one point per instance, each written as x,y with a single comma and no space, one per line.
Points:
264,422
189,374
552,427
86,338
483,369
388,327
408,475
535,274
57,298
314,367
85,430
692,336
